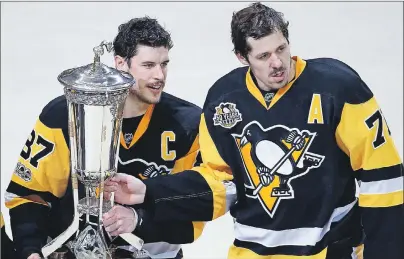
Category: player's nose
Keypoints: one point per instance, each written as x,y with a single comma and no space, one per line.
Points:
275,61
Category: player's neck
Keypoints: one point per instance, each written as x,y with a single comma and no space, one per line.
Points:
134,107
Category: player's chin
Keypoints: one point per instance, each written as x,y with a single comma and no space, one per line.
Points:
154,98
276,85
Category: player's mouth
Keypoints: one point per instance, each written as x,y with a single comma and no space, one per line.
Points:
278,76
156,87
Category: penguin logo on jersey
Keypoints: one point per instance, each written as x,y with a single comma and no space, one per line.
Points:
152,169
273,157
226,115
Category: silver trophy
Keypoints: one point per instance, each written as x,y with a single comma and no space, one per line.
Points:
96,97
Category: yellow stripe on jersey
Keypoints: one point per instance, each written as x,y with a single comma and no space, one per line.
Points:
209,153
141,129
198,229
213,169
363,135
253,89
44,162
1,220
188,161
17,201
381,200
358,251
243,253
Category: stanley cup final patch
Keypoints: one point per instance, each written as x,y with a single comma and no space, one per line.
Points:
226,115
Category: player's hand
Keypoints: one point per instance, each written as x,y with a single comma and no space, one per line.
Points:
119,220
127,189
34,256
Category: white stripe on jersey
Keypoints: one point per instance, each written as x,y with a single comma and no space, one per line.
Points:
294,237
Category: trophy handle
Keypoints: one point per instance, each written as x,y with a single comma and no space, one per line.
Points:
99,50
62,238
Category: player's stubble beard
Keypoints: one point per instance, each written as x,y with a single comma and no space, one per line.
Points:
142,96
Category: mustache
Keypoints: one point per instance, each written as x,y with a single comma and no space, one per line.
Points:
277,70
157,83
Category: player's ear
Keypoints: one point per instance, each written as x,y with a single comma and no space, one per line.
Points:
120,63
242,59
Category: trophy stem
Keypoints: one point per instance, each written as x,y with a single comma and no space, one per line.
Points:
88,204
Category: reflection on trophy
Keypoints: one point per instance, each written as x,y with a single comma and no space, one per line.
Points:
95,96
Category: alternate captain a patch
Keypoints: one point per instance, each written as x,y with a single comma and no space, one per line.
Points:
273,157
226,115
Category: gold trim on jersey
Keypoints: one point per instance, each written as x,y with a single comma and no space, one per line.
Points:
17,201
358,251
1,220
253,89
198,229
381,200
214,170
141,129
188,161
242,253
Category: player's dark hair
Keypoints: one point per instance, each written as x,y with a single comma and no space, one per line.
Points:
256,21
140,31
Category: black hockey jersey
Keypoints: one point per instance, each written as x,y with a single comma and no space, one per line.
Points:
295,164
161,142
7,246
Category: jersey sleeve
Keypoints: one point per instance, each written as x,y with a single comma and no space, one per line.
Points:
7,246
363,134
202,193
174,231
40,178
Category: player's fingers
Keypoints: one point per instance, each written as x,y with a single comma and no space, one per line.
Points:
110,183
109,222
114,227
34,256
107,195
117,232
119,177
110,188
109,217
111,228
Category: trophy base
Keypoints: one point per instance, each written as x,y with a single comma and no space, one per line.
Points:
90,205
61,253
66,253
91,244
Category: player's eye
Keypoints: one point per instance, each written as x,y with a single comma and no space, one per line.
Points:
149,65
263,56
281,48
